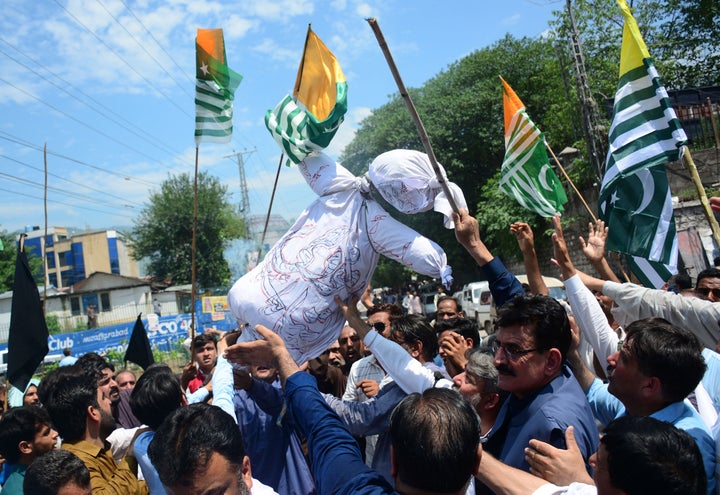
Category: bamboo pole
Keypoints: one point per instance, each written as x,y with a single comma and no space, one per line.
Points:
272,200
192,252
44,243
690,165
413,112
587,207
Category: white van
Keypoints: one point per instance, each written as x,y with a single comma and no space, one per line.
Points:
554,285
476,303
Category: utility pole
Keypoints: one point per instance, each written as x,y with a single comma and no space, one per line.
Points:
244,206
591,121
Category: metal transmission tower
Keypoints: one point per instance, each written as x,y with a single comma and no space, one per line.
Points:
591,121
244,206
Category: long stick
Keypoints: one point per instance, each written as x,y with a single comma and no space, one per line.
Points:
44,244
690,165
272,200
413,112
592,215
192,253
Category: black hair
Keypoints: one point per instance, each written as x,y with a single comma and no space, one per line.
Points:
393,310
54,470
94,363
156,395
184,443
66,394
435,438
670,353
450,298
20,424
413,328
545,314
466,328
645,455
202,339
707,273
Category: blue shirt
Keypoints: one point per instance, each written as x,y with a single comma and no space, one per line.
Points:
544,415
14,483
155,486
270,441
608,407
334,454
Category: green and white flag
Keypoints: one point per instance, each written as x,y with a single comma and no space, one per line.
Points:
645,134
526,174
307,120
214,89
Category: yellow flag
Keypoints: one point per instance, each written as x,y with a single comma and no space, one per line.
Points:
316,85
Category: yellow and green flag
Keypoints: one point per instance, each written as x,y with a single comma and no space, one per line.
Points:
214,89
645,134
526,173
307,120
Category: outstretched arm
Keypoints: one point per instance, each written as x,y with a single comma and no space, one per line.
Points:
526,241
503,284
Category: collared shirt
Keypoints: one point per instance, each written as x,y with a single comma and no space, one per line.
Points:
14,483
544,415
608,407
366,368
106,476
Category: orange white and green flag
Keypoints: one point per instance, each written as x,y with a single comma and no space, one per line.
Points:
526,173
307,120
214,88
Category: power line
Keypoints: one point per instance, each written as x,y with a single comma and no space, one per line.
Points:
114,213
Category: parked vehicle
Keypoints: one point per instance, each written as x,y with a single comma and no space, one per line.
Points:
555,286
476,303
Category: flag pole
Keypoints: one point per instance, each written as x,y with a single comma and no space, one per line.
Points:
272,200
587,207
690,165
44,244
413,112
192,252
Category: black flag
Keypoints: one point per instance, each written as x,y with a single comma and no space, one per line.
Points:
139,350
28,339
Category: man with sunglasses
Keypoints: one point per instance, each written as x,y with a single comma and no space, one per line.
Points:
708,284
531,346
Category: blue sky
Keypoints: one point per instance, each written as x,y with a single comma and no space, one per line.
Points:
108,85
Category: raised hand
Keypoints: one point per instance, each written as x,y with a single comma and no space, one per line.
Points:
594,248
524,235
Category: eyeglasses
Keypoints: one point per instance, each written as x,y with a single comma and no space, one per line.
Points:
378,325
705,291
511,352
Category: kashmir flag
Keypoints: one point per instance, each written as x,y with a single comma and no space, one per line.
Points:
645,134
307,120
28,335
214,89
138,350
526,173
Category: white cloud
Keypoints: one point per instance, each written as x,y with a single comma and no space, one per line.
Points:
365,10
511,21
347,130
276,52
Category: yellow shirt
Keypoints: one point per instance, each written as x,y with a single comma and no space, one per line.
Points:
106,476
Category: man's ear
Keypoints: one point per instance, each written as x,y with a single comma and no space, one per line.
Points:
553,361
416,349
393,462
93,413
247,471
25,447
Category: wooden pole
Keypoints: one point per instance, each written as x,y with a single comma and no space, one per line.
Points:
44,243
272,200
690,165
192,252
413,112
587,207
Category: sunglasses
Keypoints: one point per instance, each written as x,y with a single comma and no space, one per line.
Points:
378,325
705,291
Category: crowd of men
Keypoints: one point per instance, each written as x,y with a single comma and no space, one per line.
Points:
616,390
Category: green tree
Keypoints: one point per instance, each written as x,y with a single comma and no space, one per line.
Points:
163,231
7,262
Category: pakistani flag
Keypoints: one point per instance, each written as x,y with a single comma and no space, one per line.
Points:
526,174
214,89
645,134
307,120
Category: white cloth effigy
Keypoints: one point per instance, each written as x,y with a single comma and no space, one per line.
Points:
333,249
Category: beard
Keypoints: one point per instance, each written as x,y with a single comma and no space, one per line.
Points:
107,424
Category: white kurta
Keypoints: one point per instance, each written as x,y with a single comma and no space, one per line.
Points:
332,249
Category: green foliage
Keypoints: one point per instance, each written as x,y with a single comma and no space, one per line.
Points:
390,273
53,324
7,262
163,231
496,212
